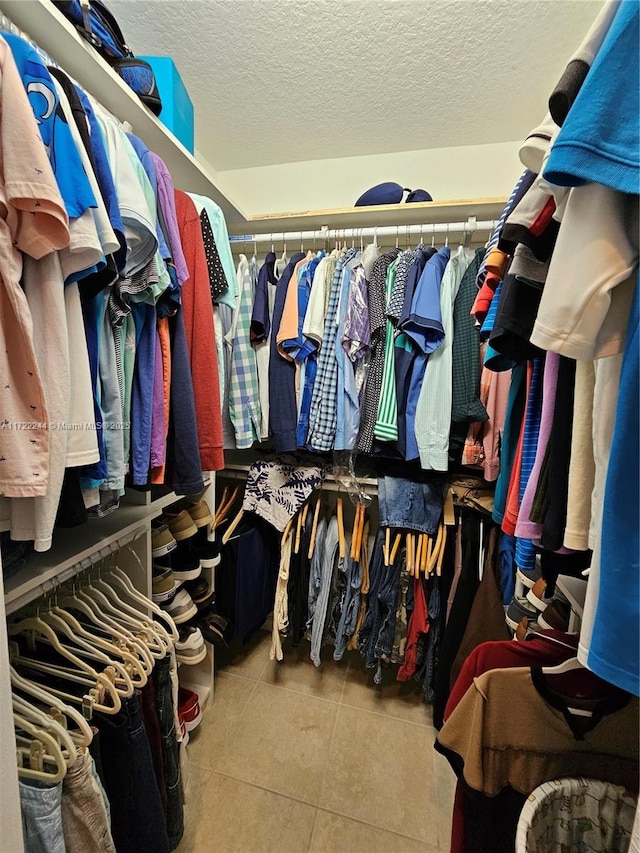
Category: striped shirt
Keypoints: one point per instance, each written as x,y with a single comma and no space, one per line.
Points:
386,426
377,321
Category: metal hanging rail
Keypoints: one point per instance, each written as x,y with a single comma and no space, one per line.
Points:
339,234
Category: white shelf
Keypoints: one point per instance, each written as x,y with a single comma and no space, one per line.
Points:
575,589
51,31
422,213
70,548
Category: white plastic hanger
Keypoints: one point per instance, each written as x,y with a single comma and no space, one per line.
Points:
119,577
43,750
134,664
105,625
134,616
83,735
124,684
49,724
157,648
569,665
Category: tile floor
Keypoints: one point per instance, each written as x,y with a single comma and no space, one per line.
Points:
290,758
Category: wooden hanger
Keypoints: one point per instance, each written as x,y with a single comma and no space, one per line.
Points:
314,528
232,527
342,542
223,510
396,545
387,546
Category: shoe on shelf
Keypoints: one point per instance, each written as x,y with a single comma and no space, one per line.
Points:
215,628
181,607
190,648
163,584
536,595
200,591
162,541
518,609
207,550
199,512
555,615
529,576
183,562
189,711
181,525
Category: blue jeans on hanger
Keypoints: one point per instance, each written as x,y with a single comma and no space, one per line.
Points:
138,822
170,751
41,806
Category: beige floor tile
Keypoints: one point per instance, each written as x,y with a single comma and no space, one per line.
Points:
248,661
334,833
234,817
230,698
446,787
196,805
402,700
379,773
297,672
281,742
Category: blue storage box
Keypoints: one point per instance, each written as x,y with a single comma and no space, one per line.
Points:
177,109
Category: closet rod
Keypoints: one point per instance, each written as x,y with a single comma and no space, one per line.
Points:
368,485
48,586
399,231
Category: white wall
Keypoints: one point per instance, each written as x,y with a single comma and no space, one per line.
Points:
474,171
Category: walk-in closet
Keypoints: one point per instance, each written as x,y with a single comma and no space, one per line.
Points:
319,416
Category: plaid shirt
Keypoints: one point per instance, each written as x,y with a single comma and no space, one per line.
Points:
322,416
244,392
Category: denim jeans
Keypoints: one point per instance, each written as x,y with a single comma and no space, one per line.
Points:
315,574
328,564
410,505
85,821
170,751
138,822
369,629
41,806
350,607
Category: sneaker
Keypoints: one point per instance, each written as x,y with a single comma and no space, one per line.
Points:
181,607
190,648
185,565
555,615
200,591
519,609
215,628
163,584
206,550
529,576
199,512
181,525
162,541
189,711
536,595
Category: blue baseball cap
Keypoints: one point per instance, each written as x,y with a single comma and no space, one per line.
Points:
390,193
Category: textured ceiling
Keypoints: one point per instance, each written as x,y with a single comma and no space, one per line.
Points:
277,81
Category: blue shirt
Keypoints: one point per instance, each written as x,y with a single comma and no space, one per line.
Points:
347,402
144,156
65,160
283,409
599,141
104,176
424,328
